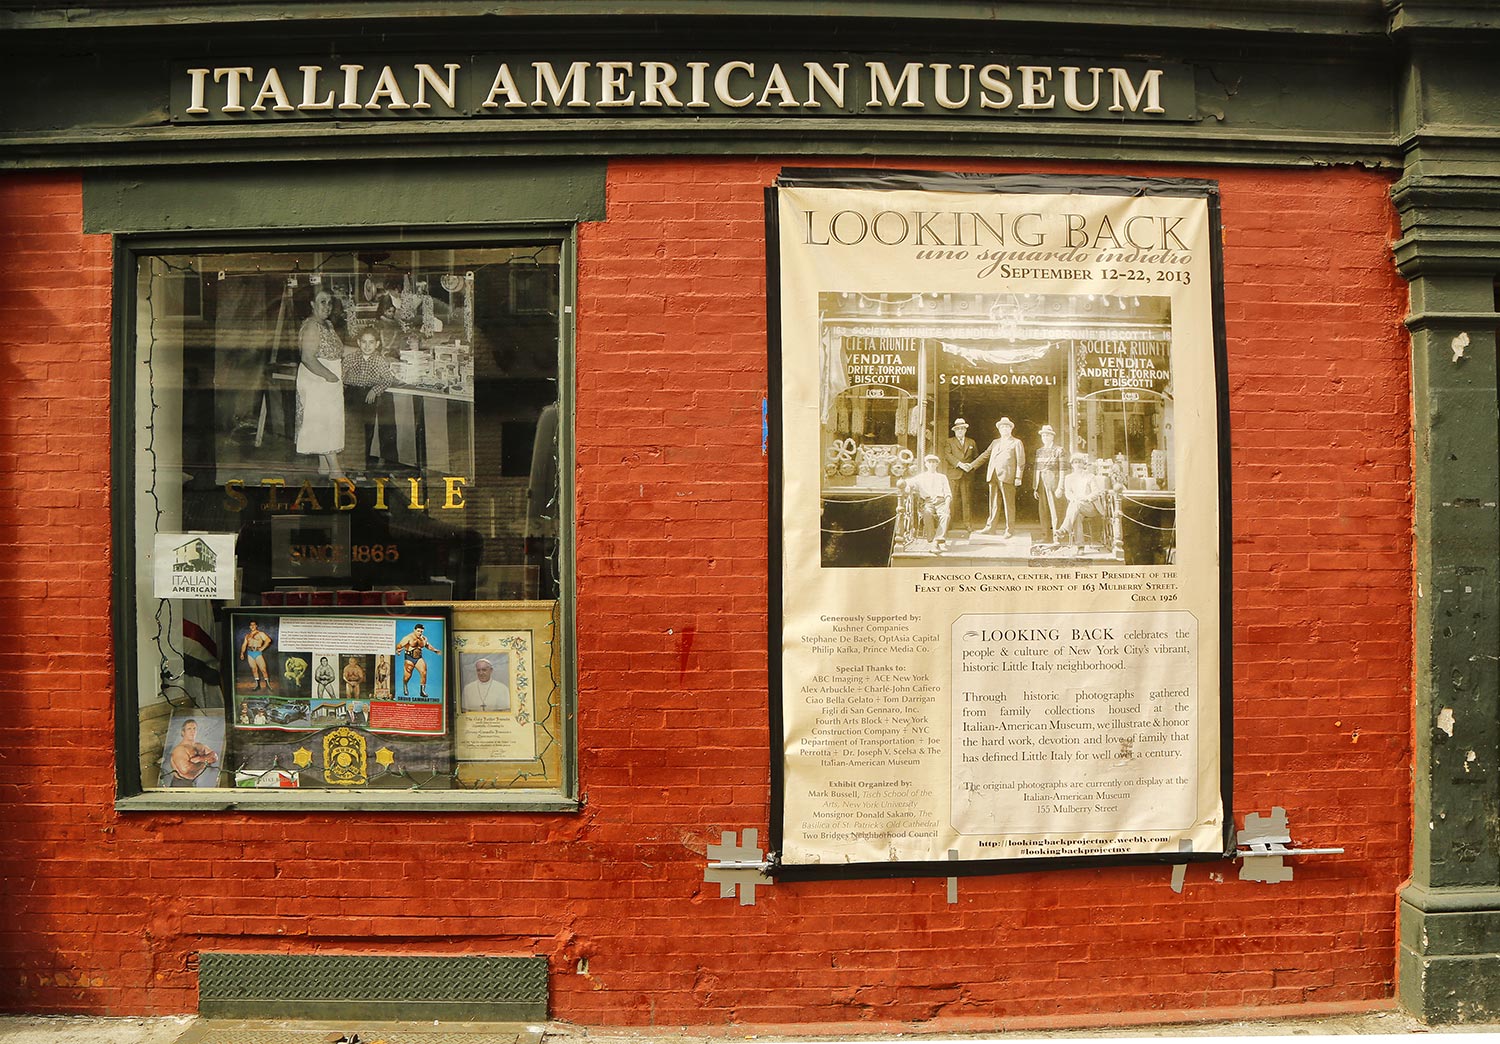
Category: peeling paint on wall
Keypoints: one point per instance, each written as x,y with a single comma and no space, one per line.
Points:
1445,720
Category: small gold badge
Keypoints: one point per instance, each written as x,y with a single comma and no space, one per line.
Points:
344,758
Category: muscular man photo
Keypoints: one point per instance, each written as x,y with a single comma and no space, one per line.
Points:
252,651
190,758
411,648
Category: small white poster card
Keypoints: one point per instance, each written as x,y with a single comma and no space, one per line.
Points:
194,565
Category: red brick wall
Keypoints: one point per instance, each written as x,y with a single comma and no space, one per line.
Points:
103,912
70,927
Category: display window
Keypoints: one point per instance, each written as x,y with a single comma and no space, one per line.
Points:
343,522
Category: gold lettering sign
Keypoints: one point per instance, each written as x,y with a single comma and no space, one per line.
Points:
344,493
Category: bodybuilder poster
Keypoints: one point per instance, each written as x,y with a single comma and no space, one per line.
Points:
998,518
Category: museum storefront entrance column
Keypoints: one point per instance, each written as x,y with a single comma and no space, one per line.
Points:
1449,251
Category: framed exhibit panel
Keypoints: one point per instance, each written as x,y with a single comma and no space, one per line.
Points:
329,451
508,710
331,698
999,523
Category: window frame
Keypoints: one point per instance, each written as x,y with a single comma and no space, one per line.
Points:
128,252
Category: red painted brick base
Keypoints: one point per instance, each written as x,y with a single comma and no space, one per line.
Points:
103,913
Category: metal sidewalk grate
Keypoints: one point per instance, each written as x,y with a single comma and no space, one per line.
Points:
414,988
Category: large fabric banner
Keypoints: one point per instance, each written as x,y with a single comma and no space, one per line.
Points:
999,518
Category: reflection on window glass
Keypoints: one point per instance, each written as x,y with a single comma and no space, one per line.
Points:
337,455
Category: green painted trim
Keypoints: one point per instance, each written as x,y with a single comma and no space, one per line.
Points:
1456,933
1416,198
567,463
1449,990
1451,900
1449,251
122,525
1262,17
1449,954
1283,82
1456,744
1441,18
1472,136
304,802
390,150
1447,320
342,196
1433,256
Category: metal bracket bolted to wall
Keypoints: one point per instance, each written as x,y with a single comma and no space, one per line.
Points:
737,866
1265,843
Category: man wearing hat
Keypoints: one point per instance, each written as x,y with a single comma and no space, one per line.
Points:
1007,459
1047,480
1085,493
934,500
958,450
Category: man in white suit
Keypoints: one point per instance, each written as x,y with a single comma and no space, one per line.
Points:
1007,459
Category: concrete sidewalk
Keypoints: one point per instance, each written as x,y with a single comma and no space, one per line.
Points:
190,1030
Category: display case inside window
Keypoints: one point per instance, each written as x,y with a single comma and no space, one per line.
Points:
338,454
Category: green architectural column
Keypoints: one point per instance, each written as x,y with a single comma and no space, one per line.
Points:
1449,200
1450,914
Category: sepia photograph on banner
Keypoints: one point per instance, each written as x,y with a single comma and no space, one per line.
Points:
996,429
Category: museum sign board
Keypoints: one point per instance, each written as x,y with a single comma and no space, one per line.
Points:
456,86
